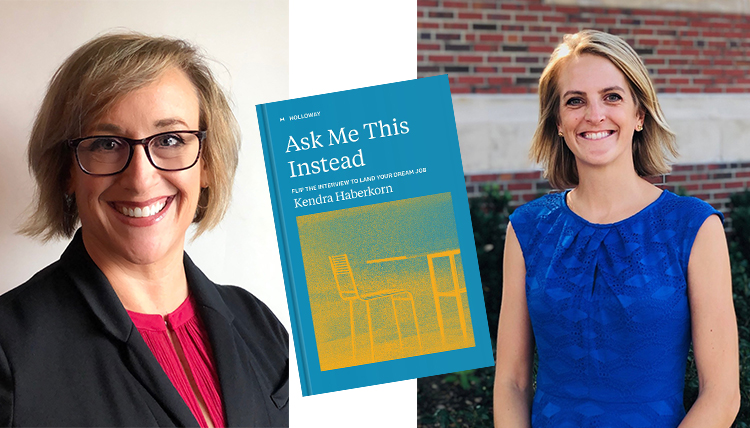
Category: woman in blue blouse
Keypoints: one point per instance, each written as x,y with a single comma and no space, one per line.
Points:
612,279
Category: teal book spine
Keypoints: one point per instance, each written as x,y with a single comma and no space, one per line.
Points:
374,234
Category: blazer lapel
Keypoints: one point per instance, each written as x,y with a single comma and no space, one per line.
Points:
108,309
240,387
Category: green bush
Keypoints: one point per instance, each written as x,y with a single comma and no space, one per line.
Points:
464,399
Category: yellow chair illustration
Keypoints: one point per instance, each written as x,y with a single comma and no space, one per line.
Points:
349,292
455,292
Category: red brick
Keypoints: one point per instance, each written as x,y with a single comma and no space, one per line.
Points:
534,175
713,90
567,30
736,90
498,59
679,81
471,80
690,52
498,16
713,34
713,72
513,90
541,49
422,24
667,71
691,90
529,197
709,186
605,20
469,15
676,168
540,8
553,18
500,80
460,90
677,61
666,51
428,47
458,4
690,71
483,178
719,61
733,185
489,90
448,36
742,174
484,5
427,3
441,58
485,69
527,18
470,37
456,25
491,37
654,61
510,6
648,42
673,178
440,14
689,33
690,187
519,186
514,69
643,31
568,9
468,58
655,22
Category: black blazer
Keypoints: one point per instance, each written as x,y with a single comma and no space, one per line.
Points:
71,356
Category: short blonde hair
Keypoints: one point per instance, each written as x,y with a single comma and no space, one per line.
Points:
95,77
653,147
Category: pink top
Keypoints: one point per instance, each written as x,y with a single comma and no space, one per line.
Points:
191,335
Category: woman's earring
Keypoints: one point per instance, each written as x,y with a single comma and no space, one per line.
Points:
559,133
639,127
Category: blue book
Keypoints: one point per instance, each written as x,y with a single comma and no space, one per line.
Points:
375,236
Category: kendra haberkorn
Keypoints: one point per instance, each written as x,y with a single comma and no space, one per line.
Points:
342,196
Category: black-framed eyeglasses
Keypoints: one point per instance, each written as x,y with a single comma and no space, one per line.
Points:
111,154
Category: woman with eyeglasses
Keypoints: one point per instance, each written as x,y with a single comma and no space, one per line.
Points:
613,279
135,141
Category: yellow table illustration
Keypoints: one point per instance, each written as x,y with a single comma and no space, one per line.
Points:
377,276
455,292
348,291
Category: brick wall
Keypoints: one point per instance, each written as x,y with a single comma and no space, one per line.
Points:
712,183
502,46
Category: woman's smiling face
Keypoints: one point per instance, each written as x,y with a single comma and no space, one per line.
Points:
167,199
598,113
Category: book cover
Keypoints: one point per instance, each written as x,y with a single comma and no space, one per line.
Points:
375,237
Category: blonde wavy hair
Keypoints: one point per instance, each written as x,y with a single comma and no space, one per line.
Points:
653,148
95,77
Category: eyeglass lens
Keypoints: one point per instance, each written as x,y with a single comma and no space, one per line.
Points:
109,155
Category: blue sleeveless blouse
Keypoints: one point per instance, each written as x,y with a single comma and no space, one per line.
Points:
609,311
